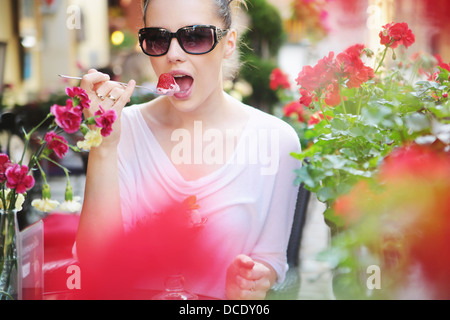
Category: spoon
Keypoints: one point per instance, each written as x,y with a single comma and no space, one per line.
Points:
152,90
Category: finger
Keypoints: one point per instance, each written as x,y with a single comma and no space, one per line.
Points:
115,94
105,90
125,96
245,262
245,284
92,80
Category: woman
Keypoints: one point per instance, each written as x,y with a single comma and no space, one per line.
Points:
200,141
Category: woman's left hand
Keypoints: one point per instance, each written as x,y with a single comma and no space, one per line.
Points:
248,279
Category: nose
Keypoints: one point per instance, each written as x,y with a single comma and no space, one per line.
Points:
175,53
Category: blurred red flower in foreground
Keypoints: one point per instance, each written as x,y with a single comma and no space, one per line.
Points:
426,174
162,245
412,210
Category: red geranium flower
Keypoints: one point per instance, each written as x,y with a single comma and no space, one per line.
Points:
441,62
18,178
316,118
333,95
278,79
57,143
106,120
294,107
395,34
318,77
5,163
352,67
67,117
306,97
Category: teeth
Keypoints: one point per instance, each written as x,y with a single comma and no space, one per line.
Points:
178,76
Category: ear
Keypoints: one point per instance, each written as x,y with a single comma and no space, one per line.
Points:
231,43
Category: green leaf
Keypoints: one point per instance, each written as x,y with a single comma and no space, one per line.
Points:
417,122
325,194
440,110
375,113
303,176
339,125
335,162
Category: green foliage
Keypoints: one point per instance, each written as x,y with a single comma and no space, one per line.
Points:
266,28
363,130
347,149
256,71
261,44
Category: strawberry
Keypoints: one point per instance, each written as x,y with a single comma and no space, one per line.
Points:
167,84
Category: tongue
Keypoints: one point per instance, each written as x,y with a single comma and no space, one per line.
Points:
184,82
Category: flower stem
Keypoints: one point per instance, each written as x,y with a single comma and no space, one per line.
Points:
323,112
343,105
28,136
3,293
358,111
57,164
44,177
382,59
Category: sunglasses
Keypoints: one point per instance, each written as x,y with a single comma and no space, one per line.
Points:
198,39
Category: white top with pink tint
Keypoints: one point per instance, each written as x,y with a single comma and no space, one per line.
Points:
249,202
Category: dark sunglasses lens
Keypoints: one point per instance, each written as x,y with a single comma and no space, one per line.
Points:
197,39
155,41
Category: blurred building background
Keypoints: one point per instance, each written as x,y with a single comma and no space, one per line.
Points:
40,39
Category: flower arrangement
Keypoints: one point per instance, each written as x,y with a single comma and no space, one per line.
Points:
17,178
377,154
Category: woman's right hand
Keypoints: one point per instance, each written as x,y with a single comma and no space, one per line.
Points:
109,95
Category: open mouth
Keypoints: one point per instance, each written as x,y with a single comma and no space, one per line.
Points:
185,82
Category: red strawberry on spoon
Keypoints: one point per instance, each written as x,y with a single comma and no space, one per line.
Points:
167,85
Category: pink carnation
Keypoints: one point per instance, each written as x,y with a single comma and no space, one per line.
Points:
5,163
57,143
67,117
106,120
18,178
80,95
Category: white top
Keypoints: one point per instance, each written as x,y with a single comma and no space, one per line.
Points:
249,202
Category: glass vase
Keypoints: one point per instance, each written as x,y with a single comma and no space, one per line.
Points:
175,290
9,257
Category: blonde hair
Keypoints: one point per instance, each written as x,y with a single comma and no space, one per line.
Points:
227,10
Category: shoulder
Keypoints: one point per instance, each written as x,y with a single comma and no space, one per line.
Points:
264,121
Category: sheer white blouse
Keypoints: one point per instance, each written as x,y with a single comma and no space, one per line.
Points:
249,202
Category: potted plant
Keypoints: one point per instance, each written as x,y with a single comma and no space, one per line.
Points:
365,120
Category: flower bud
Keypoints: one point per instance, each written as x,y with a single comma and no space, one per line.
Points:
84,129
69,192
46,193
